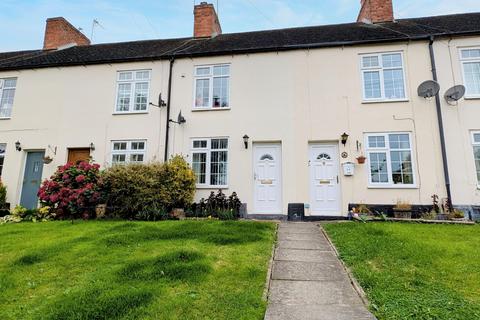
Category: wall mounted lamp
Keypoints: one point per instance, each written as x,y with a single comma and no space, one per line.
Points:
18,146
92,146
245,141
344,137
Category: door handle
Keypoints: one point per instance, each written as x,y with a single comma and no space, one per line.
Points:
337,179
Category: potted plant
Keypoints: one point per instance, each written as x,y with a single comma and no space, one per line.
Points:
456,215
402,210
361,159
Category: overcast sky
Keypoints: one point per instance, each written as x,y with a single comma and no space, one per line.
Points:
23,21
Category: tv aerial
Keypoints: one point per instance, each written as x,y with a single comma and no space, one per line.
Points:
454,94
428,89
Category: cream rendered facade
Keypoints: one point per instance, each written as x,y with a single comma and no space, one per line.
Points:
292,98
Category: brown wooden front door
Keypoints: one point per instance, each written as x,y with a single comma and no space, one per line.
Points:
76,155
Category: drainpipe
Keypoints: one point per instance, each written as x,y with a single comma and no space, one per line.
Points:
167,130
440,125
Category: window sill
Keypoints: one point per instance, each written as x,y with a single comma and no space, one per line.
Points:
472,98
210,109
384,101
126,113
5,118
413,186
211,187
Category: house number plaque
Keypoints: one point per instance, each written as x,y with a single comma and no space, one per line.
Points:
266,181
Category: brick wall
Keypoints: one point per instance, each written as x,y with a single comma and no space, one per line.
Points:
375,11
59,32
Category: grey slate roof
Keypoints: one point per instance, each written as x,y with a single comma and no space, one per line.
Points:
248,42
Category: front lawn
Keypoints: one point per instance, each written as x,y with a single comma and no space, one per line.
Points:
134,270
414,271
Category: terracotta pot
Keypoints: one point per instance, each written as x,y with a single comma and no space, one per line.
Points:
361,159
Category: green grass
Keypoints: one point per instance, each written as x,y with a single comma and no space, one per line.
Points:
414,271
134,270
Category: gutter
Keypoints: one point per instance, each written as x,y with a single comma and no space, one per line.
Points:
169,102
440,124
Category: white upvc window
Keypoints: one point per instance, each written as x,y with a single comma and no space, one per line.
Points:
212,87
3,147
128,151
210,161
7,94
390,159
470,59
476,153
133,89
383,76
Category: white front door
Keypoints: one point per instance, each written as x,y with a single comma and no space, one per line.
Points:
324,180
267,178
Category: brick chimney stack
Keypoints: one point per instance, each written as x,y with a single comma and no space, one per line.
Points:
206,21
375,11
59,32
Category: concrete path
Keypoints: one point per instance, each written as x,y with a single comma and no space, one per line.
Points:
308,281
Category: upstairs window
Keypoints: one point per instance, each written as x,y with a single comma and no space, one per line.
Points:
390,159
129,151
383,77
212,86
470,59
7,94
132,91
476,153
210,161
3,146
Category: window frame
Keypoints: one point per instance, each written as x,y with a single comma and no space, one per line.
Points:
208,150
2,165
464,61
2,88
380,69
475,144
390,184
128,152
210,78
132,82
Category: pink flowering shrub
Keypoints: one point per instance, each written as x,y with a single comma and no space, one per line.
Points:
73,191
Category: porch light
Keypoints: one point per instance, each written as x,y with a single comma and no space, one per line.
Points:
92,146
18,146
245,141
344,138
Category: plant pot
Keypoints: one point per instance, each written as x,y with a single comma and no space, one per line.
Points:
402,214
361,160
178,213
100,211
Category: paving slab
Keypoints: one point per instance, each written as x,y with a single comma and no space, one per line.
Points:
317,312
313,271
303,244
304,255
313,293
314,236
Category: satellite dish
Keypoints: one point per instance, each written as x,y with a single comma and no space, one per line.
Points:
454,94
181,119
428,89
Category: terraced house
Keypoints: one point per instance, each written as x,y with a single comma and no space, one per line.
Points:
279,116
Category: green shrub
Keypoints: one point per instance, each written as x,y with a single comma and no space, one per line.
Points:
149,191
3,196
217,205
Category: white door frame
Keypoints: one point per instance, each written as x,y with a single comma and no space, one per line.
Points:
337,211
278,147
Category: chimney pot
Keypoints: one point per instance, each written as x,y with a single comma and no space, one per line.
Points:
375,11
206,22
59,33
